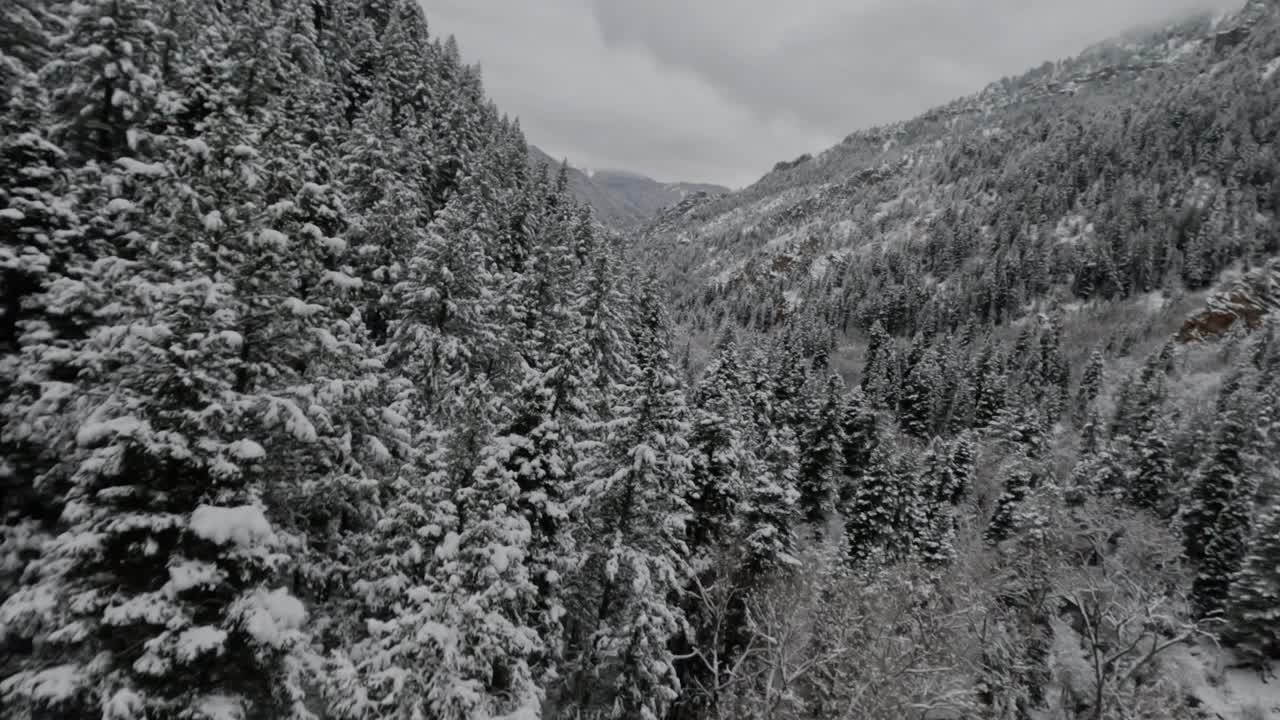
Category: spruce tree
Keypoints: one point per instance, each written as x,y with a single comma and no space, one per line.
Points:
635,517
1216,526
822,454
880,517
722,460
1253,607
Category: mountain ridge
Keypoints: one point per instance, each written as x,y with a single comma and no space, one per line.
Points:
623,198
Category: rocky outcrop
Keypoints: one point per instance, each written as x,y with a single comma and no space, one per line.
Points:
1248,300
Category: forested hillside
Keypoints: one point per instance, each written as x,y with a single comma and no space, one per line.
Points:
316,401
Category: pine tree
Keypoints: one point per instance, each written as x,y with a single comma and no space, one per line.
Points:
621,663
991,386
822,454
1151,484
103,79
920,396
1216,527
769,515
1253,607
1090,383
880,371
941,485
1016,486
880,518
722,462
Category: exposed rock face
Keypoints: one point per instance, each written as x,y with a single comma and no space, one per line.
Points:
1249,300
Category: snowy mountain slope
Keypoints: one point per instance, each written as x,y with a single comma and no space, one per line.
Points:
1091,176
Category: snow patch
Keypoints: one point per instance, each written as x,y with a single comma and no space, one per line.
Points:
244,526
247,450
381,455
200,640
1270,69
448,547
50,686
197,147
135,167
189,574
220,707
272,618
273,238
341,280
124,705
94,432
1153,301
300,308
11,214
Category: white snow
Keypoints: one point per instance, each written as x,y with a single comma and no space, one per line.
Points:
273,238
296,423
500,559
337,246
200,640
189,574
244,526
134,167
381,455
11,214
341,280
119,205
327,340
154,608
247,450
1270,69
213,221
448,546
1152,301
197,147
232,338
1228,693
220,707
93,432
1071,229
49,686
300,308
124,705
272,617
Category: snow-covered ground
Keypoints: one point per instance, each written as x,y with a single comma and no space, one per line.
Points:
1226,691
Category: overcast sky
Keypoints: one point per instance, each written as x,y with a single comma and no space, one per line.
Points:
720,90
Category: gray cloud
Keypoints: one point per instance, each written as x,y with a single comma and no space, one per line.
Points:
720,89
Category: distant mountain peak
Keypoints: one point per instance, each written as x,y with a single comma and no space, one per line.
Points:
623,198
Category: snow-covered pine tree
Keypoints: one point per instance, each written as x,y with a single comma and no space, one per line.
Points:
1253,606
719,448
634,514
1152,482
822,454
1216,527
941,484
919,406
1016,485
1090,384
166,584
881,515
